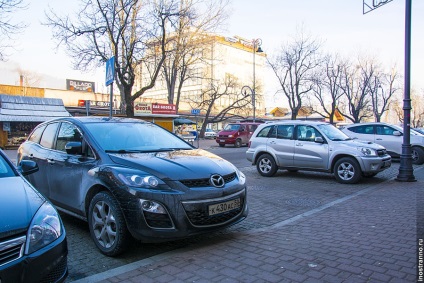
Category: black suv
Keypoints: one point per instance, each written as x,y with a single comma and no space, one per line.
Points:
133,179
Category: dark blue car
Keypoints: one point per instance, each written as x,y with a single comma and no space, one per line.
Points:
133,179
33,245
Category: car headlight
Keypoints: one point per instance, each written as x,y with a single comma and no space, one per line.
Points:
45,228
367,151
241,177
137,179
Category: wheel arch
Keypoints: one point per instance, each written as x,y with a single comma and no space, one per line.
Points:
339,156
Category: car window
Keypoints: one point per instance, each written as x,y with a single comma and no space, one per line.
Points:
134,137
232,127
49,133
253,128
366,129
36,134
264,132
67,133
5,169
385,130
306,133
283,131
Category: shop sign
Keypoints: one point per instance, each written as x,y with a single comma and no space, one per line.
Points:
80,85
97,104
154,108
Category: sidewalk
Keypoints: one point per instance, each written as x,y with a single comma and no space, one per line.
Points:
368,236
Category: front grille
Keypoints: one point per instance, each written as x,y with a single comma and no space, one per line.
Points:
198,212
381,152
11,249
156,220
57,273
205,182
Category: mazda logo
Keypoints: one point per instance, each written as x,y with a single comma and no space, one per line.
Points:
217,181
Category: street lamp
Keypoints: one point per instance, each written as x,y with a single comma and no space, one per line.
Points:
256,43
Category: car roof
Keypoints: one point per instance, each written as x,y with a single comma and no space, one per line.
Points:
297,122
99,119
368,123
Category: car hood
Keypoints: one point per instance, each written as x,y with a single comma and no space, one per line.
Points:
176,165
18,204
356,142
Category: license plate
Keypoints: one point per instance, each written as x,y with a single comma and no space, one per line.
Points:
222,140
224,206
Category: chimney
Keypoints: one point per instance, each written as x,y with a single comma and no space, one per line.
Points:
21,80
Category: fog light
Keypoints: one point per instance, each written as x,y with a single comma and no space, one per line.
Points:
152,206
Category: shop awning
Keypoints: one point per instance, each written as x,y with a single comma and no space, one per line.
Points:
30,109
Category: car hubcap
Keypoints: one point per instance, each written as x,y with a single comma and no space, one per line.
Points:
346,171
265,165
104,225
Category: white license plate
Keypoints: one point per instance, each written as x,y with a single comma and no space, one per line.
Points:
222,140
224,206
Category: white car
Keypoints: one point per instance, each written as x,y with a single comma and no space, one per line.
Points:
389,136
210,134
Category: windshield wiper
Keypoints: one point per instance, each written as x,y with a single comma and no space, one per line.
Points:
125,151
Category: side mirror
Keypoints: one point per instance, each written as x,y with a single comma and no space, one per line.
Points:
27,167
74,148
397,133
319,140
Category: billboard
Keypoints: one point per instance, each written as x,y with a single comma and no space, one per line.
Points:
154,108
77,85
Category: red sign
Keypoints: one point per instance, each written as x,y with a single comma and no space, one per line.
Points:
164,108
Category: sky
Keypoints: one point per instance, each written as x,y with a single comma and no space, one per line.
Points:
339,24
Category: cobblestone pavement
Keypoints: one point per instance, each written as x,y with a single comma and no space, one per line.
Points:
327,233
302,227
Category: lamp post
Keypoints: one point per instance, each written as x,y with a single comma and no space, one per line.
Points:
256,48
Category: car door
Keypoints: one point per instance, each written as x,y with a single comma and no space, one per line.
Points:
40,152
307,152
68,172
390,138
281,143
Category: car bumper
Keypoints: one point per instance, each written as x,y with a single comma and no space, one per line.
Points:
48,264
184,217
375,164
225,140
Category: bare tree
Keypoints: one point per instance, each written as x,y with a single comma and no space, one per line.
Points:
295,69
188,42
234,102
132,31
382,89
355,83
327,90
7,27
417,111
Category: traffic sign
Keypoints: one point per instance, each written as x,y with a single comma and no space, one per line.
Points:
110,70
195,111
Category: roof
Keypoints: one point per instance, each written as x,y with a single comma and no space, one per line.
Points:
15,108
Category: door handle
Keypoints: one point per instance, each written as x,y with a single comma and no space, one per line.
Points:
299,144
378,139
31,156
50,161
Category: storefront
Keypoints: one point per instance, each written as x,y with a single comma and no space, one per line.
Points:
20,114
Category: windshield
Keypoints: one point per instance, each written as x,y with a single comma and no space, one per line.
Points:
333,133
5,169
232,127
134,137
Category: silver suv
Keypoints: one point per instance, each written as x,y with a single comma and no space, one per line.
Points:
317,146
389,136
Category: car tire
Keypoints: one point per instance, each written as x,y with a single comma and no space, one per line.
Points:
237,143
266,165
222,144
347,170
107,225
417,155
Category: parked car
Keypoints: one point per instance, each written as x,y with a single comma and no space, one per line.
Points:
133,179
236,134
389,136
315,146
33,245
210,134
419,130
